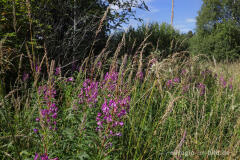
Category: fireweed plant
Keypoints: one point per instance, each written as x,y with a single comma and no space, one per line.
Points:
174,107
89,93
47,120
110,118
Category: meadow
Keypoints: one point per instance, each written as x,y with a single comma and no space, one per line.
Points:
124,108
139,95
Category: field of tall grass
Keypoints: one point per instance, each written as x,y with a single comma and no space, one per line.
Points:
143,97
124,108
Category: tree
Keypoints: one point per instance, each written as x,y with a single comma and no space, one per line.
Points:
218,29
69,26
66,27
214,12
162,39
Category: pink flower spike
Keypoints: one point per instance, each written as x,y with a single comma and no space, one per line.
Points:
70,79
57,72
36,156
37,119
121,123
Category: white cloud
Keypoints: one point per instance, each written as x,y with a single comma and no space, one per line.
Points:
191,20
114,7
153,9
182,28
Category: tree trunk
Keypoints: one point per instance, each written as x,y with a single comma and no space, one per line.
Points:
172,12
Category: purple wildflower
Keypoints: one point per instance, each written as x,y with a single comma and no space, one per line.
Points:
223,82
35,130
176,80
58,70
44,157
109,118
54,116
201,87
112,115
110,81
122,113
70,79
99,64
74,66
121,123
109,145
185,88
183,72
118,134
152,61
99,123
49,112
169,83
206,72
139,75
36,156
105,108
89,93
38,68
25,77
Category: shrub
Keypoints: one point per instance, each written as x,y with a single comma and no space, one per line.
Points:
162,38
223,43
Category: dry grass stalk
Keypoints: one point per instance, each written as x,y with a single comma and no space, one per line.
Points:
179,146
98,31
123,65
133,46
141,59
28,5
114,63
30,58
130,76
143,43
168,111
134,62
100,56
19,67
37,73
101,21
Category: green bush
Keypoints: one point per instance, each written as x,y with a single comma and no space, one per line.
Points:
162,38
223,43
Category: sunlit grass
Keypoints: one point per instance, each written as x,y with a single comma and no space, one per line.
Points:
177,109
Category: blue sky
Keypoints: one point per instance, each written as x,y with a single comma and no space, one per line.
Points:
185,12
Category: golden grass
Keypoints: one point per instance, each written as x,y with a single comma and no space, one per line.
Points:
228,70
